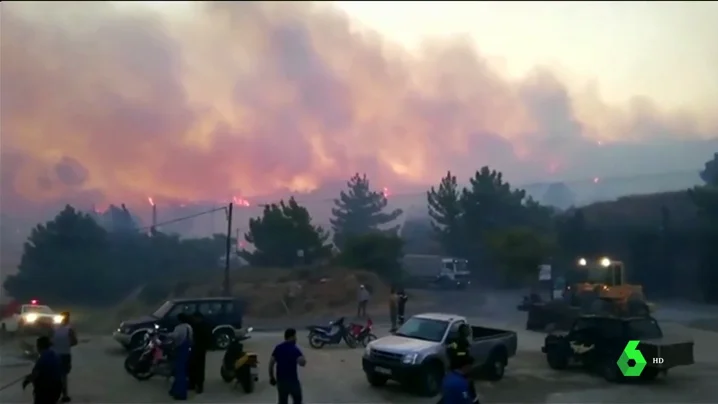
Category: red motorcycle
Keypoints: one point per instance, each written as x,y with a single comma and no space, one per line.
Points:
362,332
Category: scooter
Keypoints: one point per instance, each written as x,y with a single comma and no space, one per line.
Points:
332,334
240,366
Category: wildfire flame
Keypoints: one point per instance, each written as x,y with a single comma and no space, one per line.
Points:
100,209
151,201
239,201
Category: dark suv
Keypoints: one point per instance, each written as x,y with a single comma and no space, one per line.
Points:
224,314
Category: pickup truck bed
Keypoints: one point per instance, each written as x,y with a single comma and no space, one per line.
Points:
481,333
673,351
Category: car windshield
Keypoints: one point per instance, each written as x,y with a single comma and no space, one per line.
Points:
644,329
424,329
163,310
36,309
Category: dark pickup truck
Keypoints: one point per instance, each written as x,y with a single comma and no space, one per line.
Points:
598,341
416,354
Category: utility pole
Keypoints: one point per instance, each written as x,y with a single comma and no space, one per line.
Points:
229,248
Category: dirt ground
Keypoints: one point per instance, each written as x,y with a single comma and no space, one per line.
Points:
334,375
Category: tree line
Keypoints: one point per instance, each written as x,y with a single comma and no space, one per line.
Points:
502,231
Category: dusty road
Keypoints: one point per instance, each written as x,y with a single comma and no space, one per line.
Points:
333,375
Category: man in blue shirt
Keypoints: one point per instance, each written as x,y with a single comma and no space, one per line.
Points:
286,357
47,374
455,389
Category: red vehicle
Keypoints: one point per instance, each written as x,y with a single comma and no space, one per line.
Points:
363,332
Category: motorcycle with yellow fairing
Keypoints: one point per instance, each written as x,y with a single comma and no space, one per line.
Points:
239,366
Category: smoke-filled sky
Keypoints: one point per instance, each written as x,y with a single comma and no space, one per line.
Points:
202,101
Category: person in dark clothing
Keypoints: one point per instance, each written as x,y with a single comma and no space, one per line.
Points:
458,349
47,374
286,357
201,343
181,336
401,305
456,387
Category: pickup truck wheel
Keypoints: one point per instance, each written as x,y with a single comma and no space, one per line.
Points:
611,372
649,374
376,380
496,366
556,360
430,385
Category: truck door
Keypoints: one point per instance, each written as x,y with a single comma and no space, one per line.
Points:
583,337
612,341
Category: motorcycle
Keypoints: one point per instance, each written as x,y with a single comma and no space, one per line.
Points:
332,334
152,358
240,366
363,332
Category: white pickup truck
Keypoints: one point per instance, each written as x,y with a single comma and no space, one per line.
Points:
416,356
30,316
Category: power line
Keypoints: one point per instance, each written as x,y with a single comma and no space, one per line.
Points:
183,218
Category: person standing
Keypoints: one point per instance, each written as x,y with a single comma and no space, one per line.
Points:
401,305
362,301
201,343
455,387
285,358
182,338
47,374
459,348
63,339
393,307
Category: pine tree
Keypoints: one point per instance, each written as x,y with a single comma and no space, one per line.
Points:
445,213
360,211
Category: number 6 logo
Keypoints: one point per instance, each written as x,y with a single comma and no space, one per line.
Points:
631,352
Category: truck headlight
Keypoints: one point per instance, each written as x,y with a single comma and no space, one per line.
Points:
409,359
58,319
30,318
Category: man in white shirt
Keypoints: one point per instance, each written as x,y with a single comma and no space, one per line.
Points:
363,300
63,339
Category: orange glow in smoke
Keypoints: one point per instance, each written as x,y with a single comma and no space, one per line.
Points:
239,201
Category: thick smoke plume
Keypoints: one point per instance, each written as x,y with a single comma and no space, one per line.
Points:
101,103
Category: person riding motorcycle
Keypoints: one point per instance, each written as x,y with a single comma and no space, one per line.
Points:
458,349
